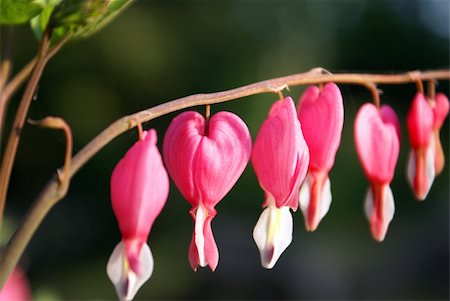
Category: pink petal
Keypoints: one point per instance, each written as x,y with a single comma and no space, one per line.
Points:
377,143
420,122
180,146
389,116
315,199
206,167
203,249
379,208
323,113
16,287
440,108
139,190
280,155
439,157
221,157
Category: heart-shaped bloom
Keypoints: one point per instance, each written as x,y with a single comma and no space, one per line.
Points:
377,140
139,190
421,170
16,287
205,159
321,114
440,107
280,159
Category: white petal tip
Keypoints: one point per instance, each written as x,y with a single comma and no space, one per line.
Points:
126,282
314,205
421,183
380,212
273,234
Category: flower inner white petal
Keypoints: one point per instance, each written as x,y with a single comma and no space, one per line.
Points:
200,217
273,234
126,282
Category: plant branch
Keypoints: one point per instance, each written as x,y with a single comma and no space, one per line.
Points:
51,192
13,141
5,60
59,123
14,84
5,67
11,87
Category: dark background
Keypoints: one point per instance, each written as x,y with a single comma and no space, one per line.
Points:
157,51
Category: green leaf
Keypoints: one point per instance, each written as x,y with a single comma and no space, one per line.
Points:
80,18
85,17
39,23
19,11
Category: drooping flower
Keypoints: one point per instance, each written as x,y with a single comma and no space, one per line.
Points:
139,190
321,114
421,170
205,159
16,287
377,140
280,159
440,107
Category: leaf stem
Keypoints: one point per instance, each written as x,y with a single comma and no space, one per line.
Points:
52,191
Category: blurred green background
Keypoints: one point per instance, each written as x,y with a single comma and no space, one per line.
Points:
157,51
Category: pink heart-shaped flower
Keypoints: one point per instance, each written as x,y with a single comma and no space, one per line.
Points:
420,122
205,164
440,109
377,144
280,155
377,141
321,114
280,159
421,161
139,190
440,106
205,159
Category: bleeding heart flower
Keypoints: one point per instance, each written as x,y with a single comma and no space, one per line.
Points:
280,159
205,159
16,287
377,140
440,107
139,190
321,114
421,171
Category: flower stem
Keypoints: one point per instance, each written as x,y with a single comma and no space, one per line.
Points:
375,94
431,90
139,127
207,116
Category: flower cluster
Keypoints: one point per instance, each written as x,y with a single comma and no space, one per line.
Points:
292,156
